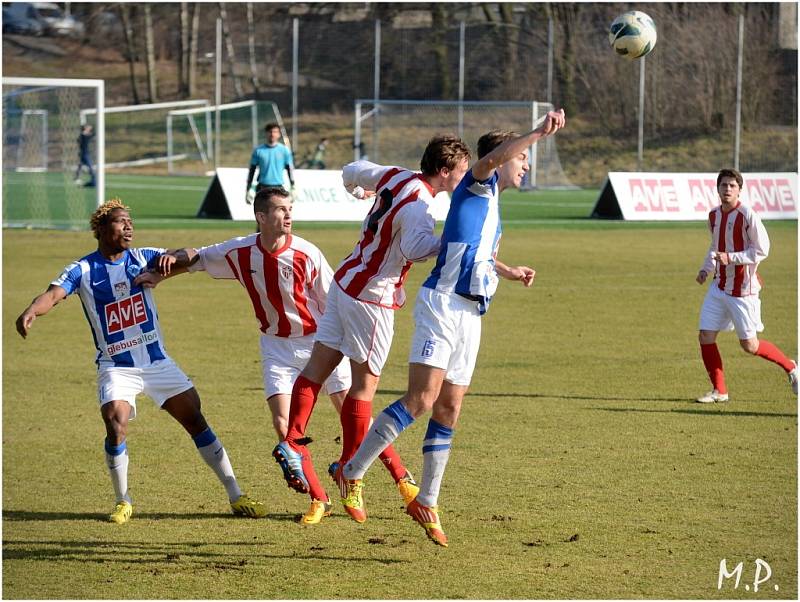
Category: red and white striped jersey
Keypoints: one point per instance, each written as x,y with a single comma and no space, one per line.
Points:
397,231
288,288
741,235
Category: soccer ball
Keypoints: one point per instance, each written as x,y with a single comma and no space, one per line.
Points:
632,34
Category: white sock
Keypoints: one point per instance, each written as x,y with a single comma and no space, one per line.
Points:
216,457
384,430
435,454
117,462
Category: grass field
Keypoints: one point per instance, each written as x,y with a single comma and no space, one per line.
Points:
580,469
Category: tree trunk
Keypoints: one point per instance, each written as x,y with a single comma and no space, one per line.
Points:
251,45
565,18
130,50
510,36
183,51
191,81
152,83
439,41
226,36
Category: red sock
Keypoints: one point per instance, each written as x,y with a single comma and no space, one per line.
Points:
355,418
315,489
391,460
770,352
713,364
304,396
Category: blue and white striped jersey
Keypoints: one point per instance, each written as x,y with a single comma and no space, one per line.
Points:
465,264
123,317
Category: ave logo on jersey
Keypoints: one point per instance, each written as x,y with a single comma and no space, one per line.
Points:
286,271
125,313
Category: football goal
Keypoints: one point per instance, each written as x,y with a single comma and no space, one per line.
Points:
135,134
192,144
41,126
396,131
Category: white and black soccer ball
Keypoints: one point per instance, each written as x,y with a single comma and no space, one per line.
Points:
632,34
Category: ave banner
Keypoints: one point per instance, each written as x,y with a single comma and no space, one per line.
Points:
690,196
318,196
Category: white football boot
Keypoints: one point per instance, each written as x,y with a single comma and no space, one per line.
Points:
713,397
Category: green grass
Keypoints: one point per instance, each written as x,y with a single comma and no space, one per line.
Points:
579,468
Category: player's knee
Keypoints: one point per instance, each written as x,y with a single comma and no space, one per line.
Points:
116,430
706,337
419,402
749,345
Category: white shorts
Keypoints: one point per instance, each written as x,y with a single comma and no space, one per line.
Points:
282,360
361,331
447,334
161,380
722,311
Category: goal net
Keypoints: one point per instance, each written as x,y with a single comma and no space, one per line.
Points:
396,131
32,147
191,135
41,127
136,134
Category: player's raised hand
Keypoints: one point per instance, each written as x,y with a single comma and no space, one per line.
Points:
554,121
148,279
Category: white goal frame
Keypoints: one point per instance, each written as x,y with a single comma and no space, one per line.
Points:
143,107
100,131
206,145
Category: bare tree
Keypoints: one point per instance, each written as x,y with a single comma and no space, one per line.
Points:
507,32
565,17
130,50
226,36
191,80
183,51
152,83
439,17
251,46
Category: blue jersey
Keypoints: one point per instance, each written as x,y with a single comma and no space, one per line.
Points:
271,161
465,264
123,317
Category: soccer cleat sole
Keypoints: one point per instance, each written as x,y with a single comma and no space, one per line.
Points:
292,481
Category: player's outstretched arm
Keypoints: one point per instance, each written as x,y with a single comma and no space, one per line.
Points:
172,263
39,307
482,170
363,175
175,259
522,273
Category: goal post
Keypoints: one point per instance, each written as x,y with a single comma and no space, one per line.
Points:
191,144
135,134
41,127
396,131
